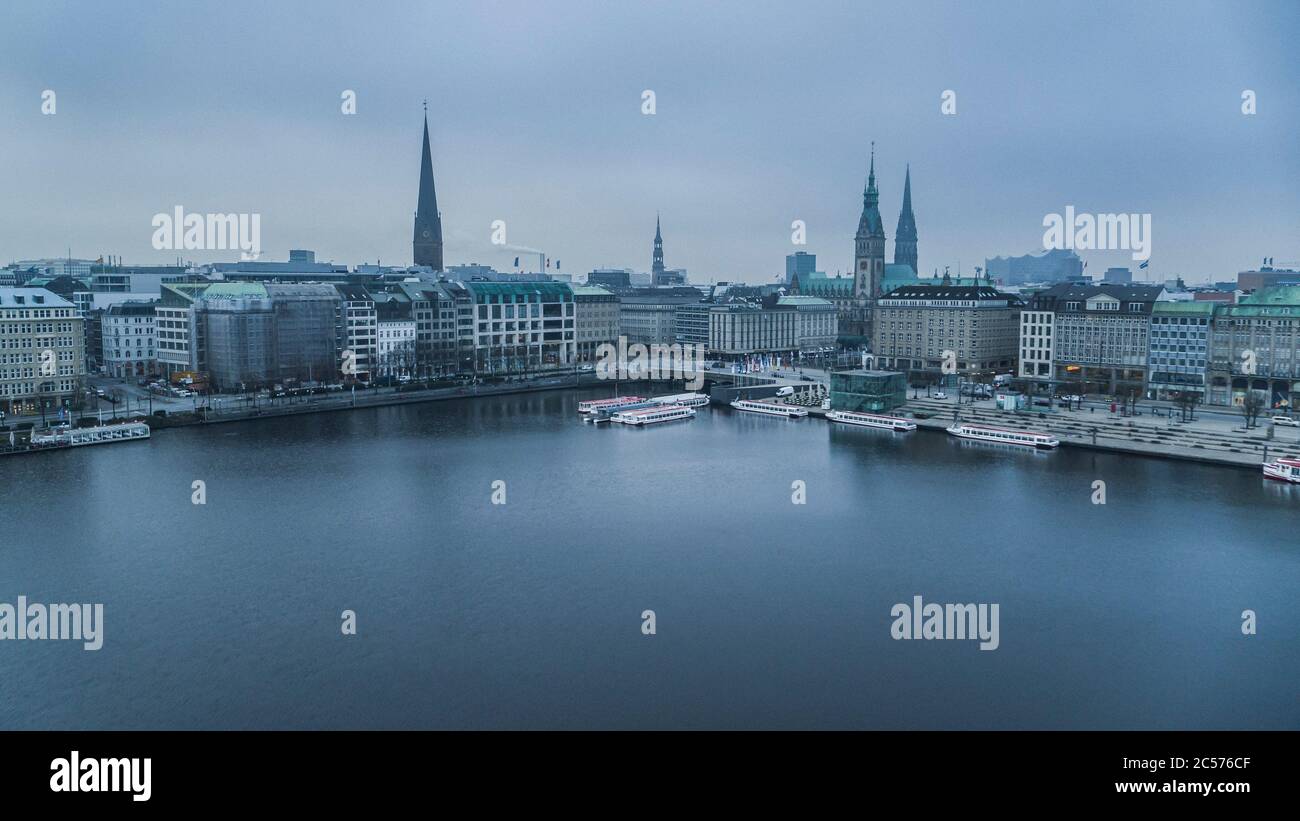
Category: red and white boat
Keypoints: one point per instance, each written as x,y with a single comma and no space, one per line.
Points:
1284,470
984,433
610,405
873,420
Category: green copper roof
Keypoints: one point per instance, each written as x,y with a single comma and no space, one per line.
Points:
1201,307
1274,295
235,290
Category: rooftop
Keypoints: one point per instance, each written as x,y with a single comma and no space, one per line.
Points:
31,298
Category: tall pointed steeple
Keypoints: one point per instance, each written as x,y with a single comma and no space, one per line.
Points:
869,243
905,236
427,244
657,261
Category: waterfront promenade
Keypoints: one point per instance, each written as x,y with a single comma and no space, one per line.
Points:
1213,439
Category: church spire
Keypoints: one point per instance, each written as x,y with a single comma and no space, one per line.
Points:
657,260
427,243
905,236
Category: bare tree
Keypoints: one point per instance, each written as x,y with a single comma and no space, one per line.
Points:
1251,405
1187,402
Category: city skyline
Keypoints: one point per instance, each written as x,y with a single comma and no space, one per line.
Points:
566,159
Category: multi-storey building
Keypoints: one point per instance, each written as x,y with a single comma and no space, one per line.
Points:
42,361
522,326
1179,352
816,321
611,277
1036,349
596,320
1055,265
396,350
238,321
1097,337
741,328
444,325
692,323
180,333
247,334
799,263
128,339
1256,347
360,332
974,328
649,315
308,326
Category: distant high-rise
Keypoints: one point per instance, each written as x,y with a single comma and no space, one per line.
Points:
657,262
905,236
800,262
427,244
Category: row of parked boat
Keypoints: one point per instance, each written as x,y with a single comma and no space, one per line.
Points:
900,424
638,411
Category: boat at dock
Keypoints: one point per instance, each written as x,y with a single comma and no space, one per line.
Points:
1284,470
690,400
609,405
873,420
103,434
769,408
984,433
654,415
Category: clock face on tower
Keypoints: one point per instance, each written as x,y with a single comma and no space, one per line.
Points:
426,233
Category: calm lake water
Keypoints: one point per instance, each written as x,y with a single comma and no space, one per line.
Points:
528,614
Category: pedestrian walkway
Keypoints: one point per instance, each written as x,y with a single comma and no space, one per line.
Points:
1217,440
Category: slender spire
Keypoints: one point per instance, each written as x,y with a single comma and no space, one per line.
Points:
871,197
657,259
427,243
905,236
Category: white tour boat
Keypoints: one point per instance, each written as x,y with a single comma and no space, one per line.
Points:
872,420
769,408
594,405
984,433
103,434
690,400
1284,470
650,416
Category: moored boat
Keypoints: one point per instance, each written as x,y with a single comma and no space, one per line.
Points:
769,408
102,434
690,400
594,405
651,416
872,420
984,433
1284,470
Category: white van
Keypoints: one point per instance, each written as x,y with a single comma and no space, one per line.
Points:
786,391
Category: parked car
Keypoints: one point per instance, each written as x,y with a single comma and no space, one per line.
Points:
1286,421
939,395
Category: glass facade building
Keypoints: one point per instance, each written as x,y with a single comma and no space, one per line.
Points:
870,391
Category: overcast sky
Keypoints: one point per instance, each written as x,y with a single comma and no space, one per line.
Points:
764,114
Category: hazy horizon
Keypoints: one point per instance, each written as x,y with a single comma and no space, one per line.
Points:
763,117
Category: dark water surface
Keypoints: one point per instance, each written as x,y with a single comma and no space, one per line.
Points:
528,614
